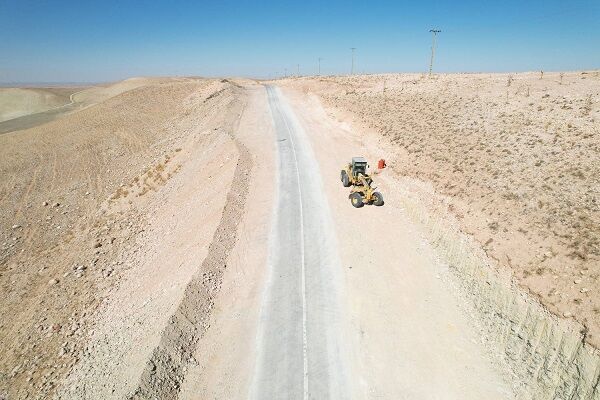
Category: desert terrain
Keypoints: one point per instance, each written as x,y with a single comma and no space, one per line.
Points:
16,102
190,238
518,155
73,195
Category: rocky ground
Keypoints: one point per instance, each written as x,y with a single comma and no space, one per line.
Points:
72,214
518,154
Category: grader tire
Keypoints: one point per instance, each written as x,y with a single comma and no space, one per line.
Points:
377,199
357,200
345,179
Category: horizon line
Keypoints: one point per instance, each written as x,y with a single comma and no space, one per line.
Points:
8,84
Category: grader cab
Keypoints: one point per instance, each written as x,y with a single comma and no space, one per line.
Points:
363,190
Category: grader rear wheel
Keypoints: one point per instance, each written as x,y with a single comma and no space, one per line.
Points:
377,199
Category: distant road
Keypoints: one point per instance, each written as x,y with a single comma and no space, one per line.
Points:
33,120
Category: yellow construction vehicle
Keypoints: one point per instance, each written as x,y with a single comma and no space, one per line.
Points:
363,191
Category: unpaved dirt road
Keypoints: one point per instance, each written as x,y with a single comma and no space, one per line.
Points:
32,120
301,347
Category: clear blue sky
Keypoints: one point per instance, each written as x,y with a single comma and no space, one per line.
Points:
93,41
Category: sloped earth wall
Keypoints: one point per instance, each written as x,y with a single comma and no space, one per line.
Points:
547,355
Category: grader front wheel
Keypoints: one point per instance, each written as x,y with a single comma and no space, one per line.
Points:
345,179
357,200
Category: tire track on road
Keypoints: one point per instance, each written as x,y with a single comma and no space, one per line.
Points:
301,351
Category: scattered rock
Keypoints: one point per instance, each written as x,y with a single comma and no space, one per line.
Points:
53,282
567,314
16,226
16,370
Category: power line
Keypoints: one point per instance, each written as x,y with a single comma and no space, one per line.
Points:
434,32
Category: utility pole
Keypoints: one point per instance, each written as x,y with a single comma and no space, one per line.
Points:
285,74
298,70
434,32
320,65
352,69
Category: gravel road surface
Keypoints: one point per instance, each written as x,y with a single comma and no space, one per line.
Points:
300,344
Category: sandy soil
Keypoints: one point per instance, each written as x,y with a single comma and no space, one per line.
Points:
74,200
100,93
518,155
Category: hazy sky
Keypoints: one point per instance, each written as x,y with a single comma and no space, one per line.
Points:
93,41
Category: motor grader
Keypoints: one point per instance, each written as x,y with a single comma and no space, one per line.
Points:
363,190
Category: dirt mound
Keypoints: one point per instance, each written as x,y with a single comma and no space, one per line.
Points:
517,154
165,371
98,94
